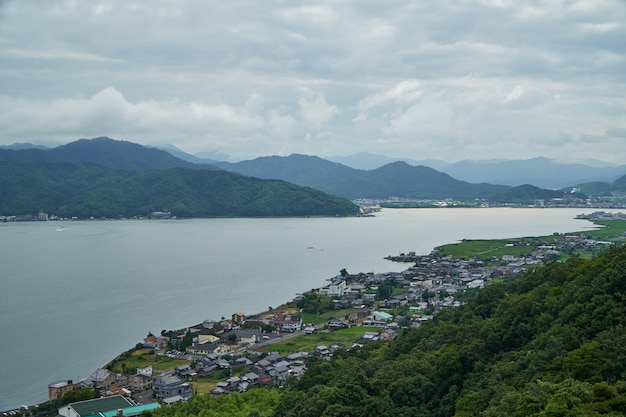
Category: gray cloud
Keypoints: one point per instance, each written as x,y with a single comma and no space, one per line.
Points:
449,80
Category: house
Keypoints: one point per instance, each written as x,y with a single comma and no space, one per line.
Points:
337,288
202,348
140,382
113,391
337,324
146,370
106,407
239,318
287,322
251,378
170,385
155,342
101,379
322,351
58,389
381,317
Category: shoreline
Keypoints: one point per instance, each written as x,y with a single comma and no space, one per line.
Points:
386,268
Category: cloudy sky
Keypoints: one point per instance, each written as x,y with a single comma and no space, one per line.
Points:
450,80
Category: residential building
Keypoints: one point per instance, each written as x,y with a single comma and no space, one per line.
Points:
58,389
170,385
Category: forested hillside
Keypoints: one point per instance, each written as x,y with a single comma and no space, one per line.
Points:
551,344
85,190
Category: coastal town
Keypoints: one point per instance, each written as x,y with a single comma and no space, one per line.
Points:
242,352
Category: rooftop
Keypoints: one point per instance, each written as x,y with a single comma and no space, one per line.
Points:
89,407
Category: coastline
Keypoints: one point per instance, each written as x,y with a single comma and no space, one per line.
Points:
334,266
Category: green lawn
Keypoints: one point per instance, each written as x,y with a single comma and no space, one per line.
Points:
485,249
143,357
307,343
611,230
324,317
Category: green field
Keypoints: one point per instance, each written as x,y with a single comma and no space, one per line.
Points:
327,315
307,343
486,249
611,230
144,357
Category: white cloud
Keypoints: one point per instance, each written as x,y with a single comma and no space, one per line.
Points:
314,109
447,80
405,92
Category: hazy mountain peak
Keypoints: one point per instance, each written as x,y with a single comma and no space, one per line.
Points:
22,145
368,161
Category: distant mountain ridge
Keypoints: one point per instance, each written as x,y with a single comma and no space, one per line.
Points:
541,172
89,190
102,151
393,180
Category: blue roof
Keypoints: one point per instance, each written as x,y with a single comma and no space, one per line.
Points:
130,411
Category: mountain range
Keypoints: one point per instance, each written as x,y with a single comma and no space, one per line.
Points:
396,179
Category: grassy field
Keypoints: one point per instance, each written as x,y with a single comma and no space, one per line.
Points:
144,357
324,317
307,343
203,387
611,230
485,249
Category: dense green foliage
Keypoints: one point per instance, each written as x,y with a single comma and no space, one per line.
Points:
599,189
53,405
525,194
85,190
256,402
553,343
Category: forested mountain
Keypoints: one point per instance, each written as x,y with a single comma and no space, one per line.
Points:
102,151
527,194
553,343
400,179
86,190
397,179
604,188
309,171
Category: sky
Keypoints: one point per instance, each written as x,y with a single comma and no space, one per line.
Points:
447,80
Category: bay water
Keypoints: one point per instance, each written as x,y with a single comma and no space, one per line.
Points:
73,295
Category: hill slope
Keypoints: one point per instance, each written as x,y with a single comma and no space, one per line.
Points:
309,171
102,151
397,179
85,190
602,189
552,344
400,179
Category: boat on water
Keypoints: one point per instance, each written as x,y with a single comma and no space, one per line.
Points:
60,228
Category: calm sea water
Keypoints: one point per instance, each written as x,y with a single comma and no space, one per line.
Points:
72,299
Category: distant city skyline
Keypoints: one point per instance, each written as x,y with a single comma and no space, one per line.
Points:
479,79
